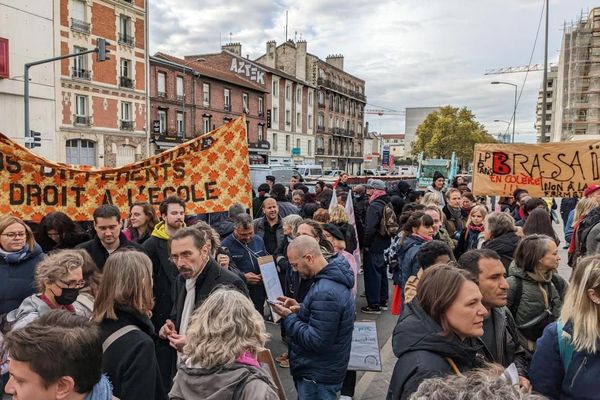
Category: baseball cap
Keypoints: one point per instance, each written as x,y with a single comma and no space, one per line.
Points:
591,189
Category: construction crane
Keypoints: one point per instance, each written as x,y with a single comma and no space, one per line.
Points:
512,70
381,112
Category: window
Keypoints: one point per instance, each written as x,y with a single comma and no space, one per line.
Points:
330,122
81,152
261,106
299,95
310,122
321,121
298,143
275,142
288,92
162,121
287,142
310,98
78,18
4,70
125,36
227,99
298,120
161,84
275,88
288,117
126,116
275,114
81,110
206,94
246,109
179,87
180,124
206,124
309,149
126,74
321,97
80,69
261,132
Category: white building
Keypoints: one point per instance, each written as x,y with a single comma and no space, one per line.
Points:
414,117
26,35
396,143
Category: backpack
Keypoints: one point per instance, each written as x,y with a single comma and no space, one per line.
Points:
388,224
565,346
390,255
589,222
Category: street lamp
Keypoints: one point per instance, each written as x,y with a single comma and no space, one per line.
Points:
514,108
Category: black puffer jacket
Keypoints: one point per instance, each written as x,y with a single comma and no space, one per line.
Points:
423,352
505,245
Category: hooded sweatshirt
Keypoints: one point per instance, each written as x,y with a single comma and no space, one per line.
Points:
220,383
320,334
423,352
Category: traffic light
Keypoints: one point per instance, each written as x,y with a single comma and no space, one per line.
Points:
33,140
101,50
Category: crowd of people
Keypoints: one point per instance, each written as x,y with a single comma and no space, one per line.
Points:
165,305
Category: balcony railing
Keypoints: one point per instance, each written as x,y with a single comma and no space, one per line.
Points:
126,125
320,151
338,88
80,26
126,82
125,39
161,94
227,107
81,120
81,73
341,132
180,97
321,105
320,129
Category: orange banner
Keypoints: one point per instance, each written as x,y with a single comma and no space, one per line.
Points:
209,172
545,170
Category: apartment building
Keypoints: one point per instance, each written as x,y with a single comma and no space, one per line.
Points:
102,106
395,141
335,97
193,95
577,108
553,134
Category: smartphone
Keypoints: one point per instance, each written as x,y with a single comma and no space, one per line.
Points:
273,303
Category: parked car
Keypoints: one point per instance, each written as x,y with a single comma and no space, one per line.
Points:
259,172
309,170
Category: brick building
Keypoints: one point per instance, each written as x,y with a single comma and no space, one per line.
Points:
102,106
195,95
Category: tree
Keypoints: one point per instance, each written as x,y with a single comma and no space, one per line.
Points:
448,130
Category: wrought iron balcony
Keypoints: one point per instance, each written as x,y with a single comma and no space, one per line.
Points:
161,94
125,39
126,82
80,26
320,129
320,151
81,120
126,125
81,73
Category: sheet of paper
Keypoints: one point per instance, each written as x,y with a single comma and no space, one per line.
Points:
270,280
364,354
512,374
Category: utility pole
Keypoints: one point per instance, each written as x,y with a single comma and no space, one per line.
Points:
101,50
545,80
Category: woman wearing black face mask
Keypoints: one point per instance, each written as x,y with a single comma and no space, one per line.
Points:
58,279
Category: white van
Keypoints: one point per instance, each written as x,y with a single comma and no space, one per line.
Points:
309,170
259,173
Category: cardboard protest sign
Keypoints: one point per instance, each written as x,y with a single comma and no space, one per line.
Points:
364,354
545,170
210,173
266,361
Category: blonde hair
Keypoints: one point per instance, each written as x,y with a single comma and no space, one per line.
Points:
338,215
224,327
579,308
57,266
210,233
431,198
5,222
582,208
477,209
127,281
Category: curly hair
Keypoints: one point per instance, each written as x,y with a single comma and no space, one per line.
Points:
57,266
338,215
224,327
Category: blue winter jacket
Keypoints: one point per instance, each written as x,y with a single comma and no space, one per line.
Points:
17,272
407,260
548,376
321,332
245,257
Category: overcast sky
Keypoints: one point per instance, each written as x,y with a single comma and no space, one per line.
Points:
411,53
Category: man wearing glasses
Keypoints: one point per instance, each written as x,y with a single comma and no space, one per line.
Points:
199,275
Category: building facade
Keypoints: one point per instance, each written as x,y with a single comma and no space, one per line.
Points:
550,108
195,95
337,104
577,108
102,106
27,34
414,117
395,141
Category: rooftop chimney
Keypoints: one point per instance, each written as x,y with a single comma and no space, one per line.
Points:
235,48
337,60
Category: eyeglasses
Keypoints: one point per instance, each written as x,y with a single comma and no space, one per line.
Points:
12,235
73,285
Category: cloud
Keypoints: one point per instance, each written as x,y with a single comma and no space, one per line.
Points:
410,53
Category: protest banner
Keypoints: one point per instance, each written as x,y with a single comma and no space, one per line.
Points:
270,279
210,173
545,170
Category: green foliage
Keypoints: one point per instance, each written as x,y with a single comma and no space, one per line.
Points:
448,130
